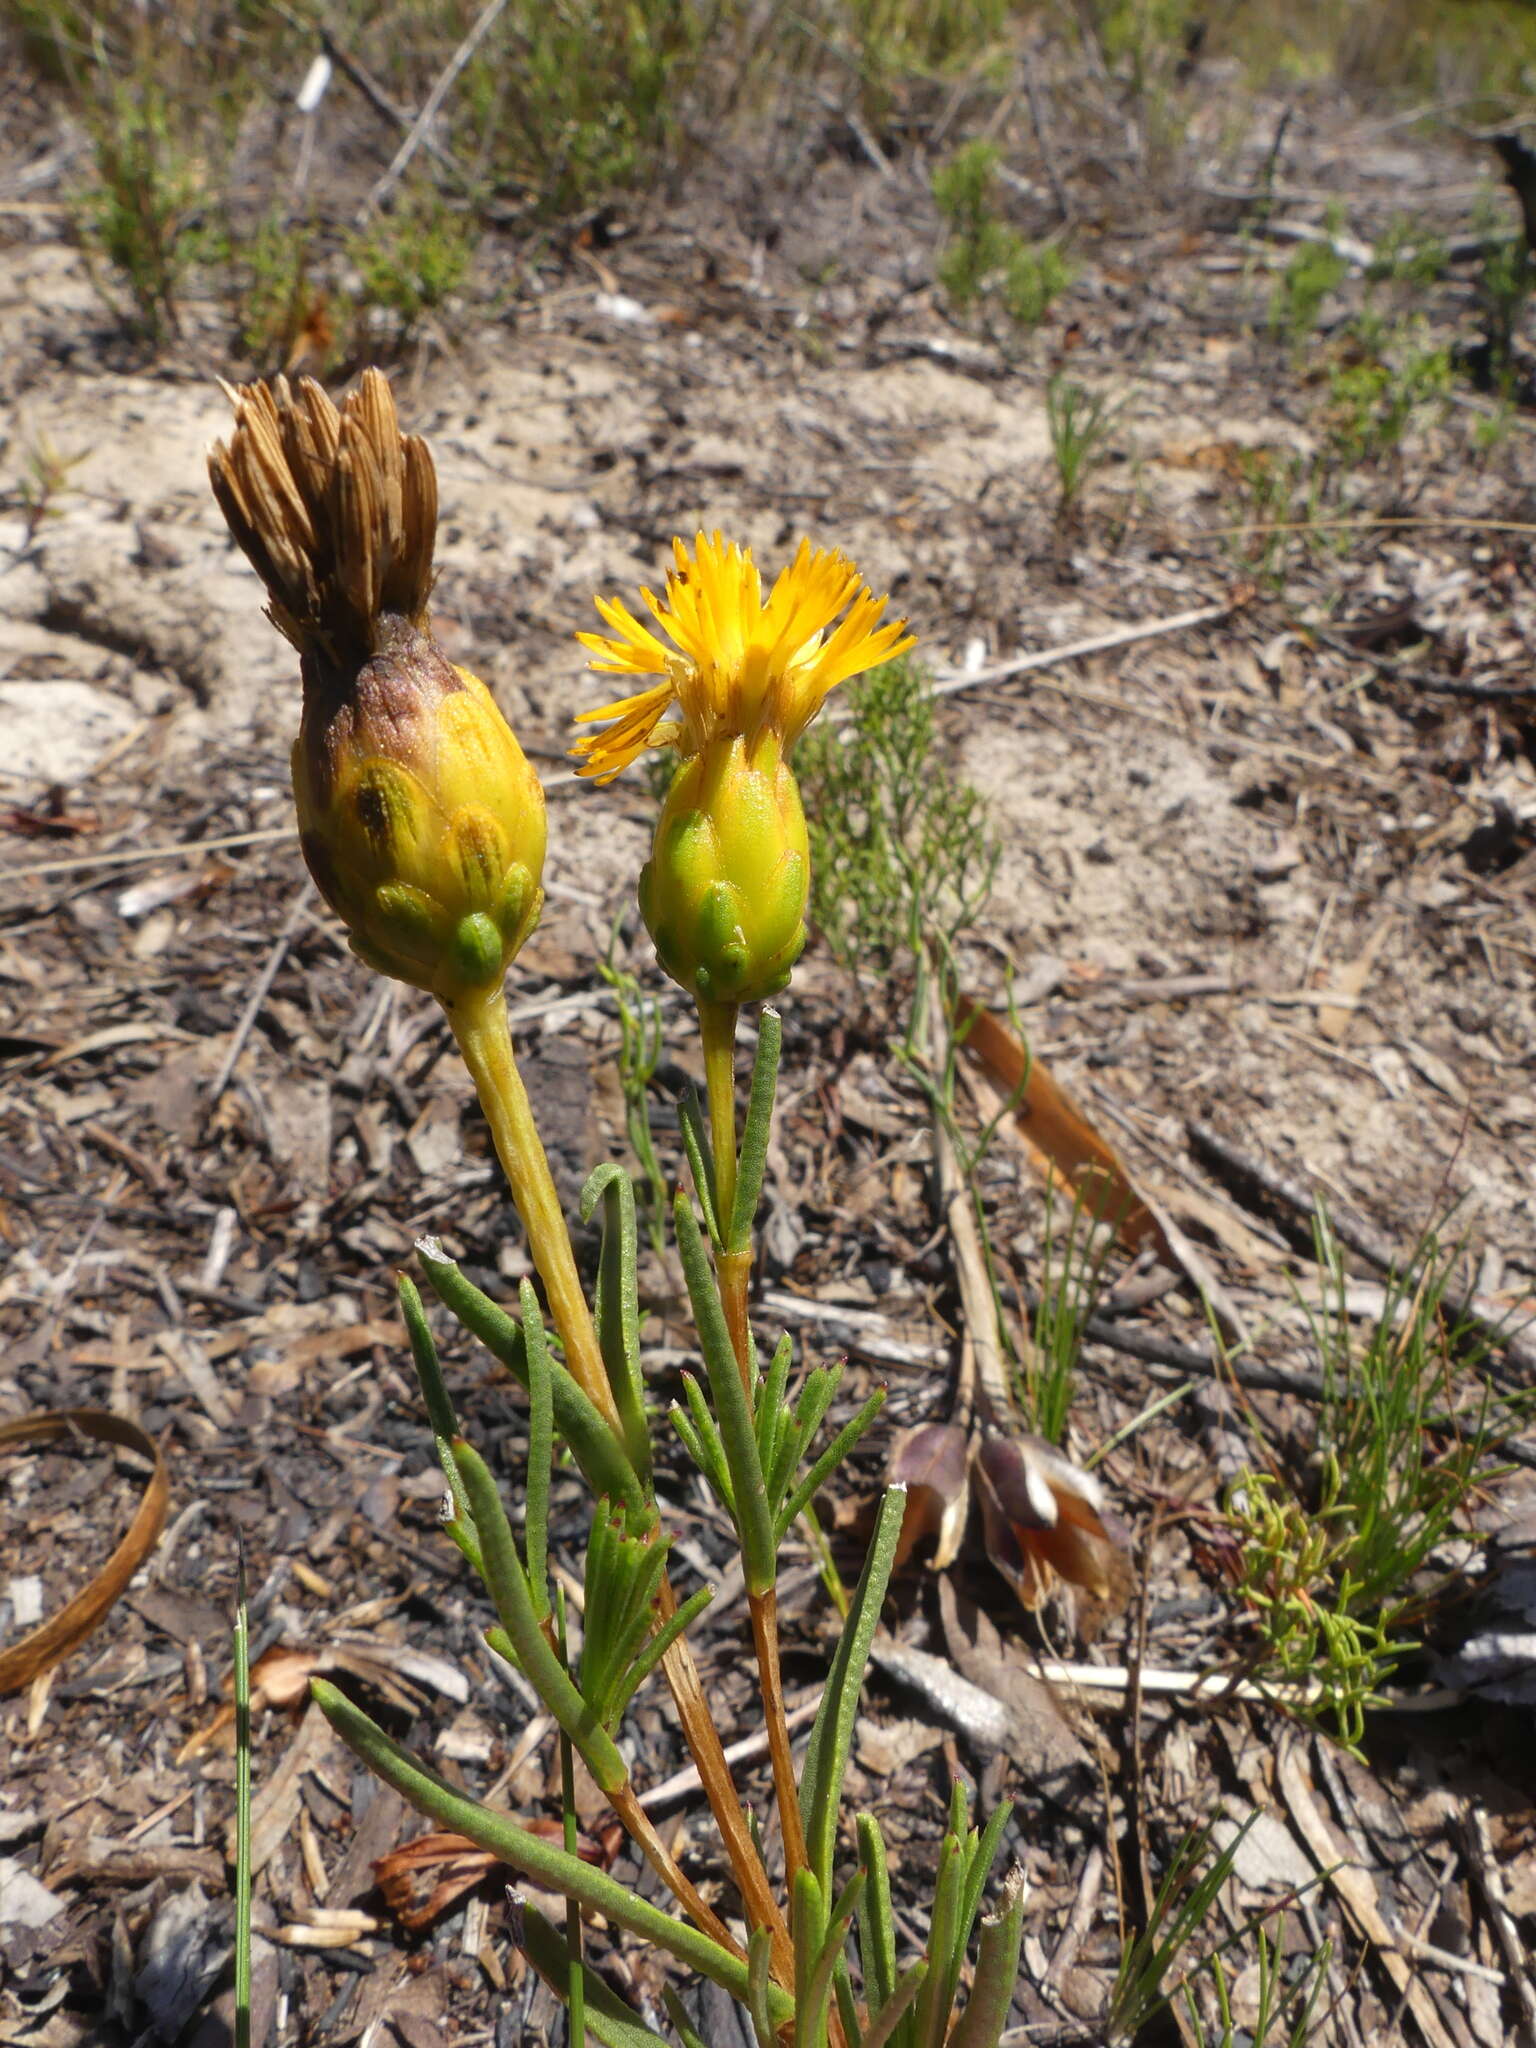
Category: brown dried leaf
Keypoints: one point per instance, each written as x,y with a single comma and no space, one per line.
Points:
1063,1142
933,1461
1042,1519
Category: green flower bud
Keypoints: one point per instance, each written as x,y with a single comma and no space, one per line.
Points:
724,892
421,820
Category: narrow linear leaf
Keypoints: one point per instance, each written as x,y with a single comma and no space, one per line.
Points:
946,1950
242,1682
663,1640
690,1121
737,1436
541,1451
760,1987
877,1931
990,2004
774,1424
508,1588
685,2033
829,1460
618,1307
429,1372
884,2023
847,2004
602,1458
536,1859
755,1132
703,1441
606,2015
826,1756
979,1869
811,2001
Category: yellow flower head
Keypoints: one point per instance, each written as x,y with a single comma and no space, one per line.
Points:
739,666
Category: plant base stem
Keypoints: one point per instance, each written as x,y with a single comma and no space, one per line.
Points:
637,1825
765,1638
708,1752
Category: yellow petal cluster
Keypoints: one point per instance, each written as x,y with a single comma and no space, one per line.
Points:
739,665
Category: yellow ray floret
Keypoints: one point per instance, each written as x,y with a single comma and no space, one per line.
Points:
738,665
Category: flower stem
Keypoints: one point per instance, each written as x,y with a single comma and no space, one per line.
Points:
763,1909
717,1029
480,1027
765,1637
638,1826
733,1262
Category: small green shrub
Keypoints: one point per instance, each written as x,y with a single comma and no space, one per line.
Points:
413,258
901,848
273,294
896,43
1503,292
145,211
569,104
1406,255
1314,270
983,254
1372,403
1327,1572
1079,422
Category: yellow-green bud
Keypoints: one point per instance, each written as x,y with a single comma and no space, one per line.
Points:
724,892
420,818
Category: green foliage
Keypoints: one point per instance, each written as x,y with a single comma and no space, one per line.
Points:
272,294
1139,34
414,257
144,212
1327,1572
1490,433
1080,422
1373,402
1072,1275
984,255
43,479
1406,255
161,98
1274,486
1185,1903
900,848
755,1444
572,103
896,42
1504,284
1035,274
1314,270
1276,2003
640,1044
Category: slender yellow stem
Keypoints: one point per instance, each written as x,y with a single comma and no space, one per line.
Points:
484,1039
765,1638
717,1029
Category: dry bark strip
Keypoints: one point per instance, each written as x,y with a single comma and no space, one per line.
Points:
56,1637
